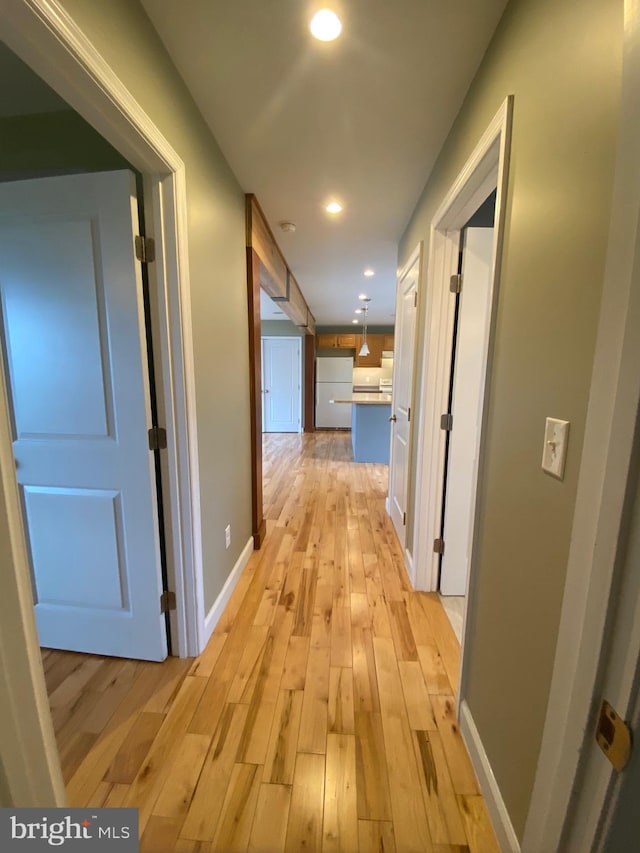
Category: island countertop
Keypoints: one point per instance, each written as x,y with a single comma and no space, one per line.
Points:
362,398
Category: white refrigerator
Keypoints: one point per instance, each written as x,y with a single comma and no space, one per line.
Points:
334,381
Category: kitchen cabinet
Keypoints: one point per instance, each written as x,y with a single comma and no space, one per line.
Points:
374,359
331,341
377,343
347,341
326,341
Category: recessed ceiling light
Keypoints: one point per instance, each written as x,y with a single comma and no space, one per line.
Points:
334,207
369,272
355,321
325,25
358,311
363,297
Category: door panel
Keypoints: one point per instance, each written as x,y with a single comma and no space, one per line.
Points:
282,370
466,408
75,356
53,345
63,524
403,367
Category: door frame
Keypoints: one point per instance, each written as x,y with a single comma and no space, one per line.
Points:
486,169
44,36
601,512
300,341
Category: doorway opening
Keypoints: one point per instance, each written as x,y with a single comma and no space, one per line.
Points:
76,328
57,51
455,364
463,417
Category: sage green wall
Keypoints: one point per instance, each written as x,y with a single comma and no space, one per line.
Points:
281,329
122,34
562,62
59,143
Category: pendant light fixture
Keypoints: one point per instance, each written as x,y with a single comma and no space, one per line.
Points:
364,349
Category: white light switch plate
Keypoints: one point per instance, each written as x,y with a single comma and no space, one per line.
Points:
554,452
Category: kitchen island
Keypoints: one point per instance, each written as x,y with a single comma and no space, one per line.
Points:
370,427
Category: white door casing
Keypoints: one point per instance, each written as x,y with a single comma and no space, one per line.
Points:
281,384
402,399
474,316
74,341
486,170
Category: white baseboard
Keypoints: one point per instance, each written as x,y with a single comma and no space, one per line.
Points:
505,833
213,616
408,562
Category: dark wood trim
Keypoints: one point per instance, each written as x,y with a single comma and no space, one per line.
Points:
258,524
309,385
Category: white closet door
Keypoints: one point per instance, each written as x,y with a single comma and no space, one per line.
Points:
468,392
75,358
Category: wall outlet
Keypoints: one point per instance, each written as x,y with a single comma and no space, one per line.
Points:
227,535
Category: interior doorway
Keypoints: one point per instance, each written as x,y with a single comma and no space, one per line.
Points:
76,330
463,419
68,145
484,173
61,54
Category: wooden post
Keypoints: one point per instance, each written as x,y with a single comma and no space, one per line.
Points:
309,385
259,526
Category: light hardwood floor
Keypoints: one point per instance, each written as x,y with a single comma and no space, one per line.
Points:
321,715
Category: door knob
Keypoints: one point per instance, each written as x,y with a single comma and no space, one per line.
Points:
393,418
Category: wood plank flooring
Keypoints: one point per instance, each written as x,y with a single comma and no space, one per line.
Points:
320,717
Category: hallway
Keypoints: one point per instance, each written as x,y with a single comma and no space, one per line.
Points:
321,715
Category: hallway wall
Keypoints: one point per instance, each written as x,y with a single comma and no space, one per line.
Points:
562,62
123,35
59,143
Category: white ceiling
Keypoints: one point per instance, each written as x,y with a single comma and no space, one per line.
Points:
301,121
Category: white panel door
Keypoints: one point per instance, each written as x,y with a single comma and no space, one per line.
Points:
470,364
74,348
281,386
403,367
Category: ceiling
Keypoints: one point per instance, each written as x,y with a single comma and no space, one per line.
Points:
360,119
